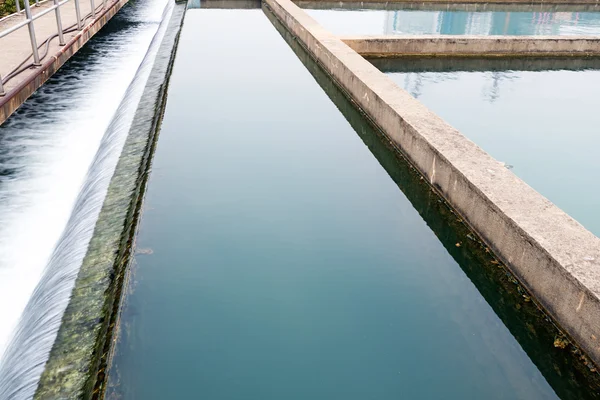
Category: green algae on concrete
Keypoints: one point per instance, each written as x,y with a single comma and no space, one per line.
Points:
77,363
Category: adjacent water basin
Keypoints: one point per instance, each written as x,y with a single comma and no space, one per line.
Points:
543,124
408,22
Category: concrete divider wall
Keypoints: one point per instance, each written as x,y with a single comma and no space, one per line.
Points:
555,257
463,46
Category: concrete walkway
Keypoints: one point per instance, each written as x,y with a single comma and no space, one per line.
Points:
16,47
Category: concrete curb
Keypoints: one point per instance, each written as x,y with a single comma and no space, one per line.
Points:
76,368
550,253
474,46
525,2
17,96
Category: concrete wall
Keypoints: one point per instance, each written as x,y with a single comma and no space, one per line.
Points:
444,64
17,96
555,257
224,4
464,46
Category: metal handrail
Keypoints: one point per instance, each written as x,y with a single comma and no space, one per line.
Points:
31,18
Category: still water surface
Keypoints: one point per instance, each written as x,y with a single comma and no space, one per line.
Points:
543,124
404,22
278,260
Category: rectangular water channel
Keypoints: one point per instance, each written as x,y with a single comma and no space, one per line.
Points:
419,22
542,123
279,259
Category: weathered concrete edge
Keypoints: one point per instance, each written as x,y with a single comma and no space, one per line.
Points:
441,64
446,6
17,96
555,257
474,46
77,362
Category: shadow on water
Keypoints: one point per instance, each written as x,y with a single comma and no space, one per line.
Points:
473,64
561,363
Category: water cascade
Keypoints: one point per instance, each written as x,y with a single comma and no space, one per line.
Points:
48,204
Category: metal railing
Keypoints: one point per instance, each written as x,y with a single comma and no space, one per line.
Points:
29,19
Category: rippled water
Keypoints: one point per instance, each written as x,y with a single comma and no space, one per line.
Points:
57,154
374,22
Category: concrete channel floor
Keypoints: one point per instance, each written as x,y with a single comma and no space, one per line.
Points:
16,47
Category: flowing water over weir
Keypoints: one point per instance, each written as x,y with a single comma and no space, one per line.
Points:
48,204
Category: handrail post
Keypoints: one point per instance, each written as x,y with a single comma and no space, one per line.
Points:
18,5
93,9
61,39
34,48
1,87
78,14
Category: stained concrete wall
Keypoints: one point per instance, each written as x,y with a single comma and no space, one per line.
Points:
555,257
464,46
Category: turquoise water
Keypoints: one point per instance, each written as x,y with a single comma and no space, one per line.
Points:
277,259
543,124
403,22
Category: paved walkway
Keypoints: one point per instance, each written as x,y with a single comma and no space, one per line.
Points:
16,48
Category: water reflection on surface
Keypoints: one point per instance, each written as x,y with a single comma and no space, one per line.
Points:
544,124
408,22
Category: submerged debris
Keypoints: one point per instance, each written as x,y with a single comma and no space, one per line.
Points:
560,342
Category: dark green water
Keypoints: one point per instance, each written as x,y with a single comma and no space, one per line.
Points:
543,124
279,260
